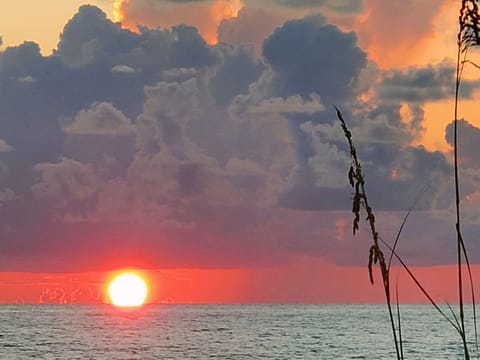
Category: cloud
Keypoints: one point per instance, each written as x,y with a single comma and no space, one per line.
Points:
237,71
251,26
88,36
415,84
469,137
314,47
152,53
295,51
385,141
293,104
4,147
65,183
123,69
6,195
232,21
327,164
156,149
100,119
27,80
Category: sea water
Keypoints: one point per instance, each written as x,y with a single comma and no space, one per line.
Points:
222,332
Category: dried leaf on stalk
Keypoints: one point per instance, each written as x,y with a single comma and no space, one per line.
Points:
370,263
351,176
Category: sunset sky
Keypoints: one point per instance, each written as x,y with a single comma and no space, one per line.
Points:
196,141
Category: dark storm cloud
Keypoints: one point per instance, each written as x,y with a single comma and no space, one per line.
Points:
178,47
88,38
89,67
433,82
321,59
382,136
120,61
44,89
309,58
84,71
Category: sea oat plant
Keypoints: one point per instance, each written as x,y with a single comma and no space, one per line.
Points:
468,36
376,254
360,200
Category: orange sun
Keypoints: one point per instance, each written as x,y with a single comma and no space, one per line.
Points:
128,289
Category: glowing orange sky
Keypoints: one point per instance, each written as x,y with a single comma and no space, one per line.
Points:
117,10
39,21
294,283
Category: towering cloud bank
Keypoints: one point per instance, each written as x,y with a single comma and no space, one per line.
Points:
157,149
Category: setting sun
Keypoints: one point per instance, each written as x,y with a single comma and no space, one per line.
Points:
127,290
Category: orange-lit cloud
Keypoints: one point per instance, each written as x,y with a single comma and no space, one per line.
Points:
390,27
117,10
206,16
251,26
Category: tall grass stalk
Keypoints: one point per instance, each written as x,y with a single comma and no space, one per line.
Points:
468,36
460,242
399,321
360,200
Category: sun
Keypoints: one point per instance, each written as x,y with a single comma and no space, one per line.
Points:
128,290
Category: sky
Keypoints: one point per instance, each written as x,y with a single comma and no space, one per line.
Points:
197,141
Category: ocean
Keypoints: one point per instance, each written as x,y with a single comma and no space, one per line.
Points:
221,332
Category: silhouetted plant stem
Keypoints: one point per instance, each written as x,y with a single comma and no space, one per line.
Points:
399,322
461,249
457,208
421,288
468,35
471,63
402,225
360,199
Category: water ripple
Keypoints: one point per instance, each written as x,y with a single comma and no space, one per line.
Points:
220,332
